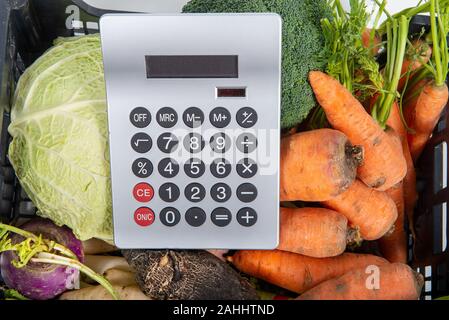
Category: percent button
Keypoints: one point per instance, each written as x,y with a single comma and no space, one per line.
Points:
142,168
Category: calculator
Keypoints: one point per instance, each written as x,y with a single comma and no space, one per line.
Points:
194,129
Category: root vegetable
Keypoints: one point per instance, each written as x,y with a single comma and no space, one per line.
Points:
130,292
100,264
120,278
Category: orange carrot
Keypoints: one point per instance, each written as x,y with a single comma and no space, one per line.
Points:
314,232
372,211
296,272
425,116
417,55
366,40
316,165
384,165
394,281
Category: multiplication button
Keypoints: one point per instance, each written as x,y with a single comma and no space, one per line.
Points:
221,217
195,217
170,217
142,168
247,192
247,217
246,168
167,117
140,117
141,142
220,117
246,117
246,142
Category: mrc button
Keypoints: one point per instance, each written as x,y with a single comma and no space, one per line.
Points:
144,216
140,117
143,192
167,117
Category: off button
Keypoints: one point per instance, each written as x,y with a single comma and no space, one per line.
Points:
144,216
143,192
140,117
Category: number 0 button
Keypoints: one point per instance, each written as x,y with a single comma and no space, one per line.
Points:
195,217
141,142
170,217
169,192
195,192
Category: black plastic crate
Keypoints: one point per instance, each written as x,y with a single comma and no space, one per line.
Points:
27,29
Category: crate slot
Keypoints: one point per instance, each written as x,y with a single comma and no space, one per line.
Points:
440,167
439,228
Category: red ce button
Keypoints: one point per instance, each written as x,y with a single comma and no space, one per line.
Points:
144,216
143,192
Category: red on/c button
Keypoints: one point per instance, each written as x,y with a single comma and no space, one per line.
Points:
144,216
143,192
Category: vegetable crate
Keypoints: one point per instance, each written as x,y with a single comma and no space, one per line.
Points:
27,29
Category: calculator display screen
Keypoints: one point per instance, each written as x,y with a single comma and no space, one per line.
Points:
192,66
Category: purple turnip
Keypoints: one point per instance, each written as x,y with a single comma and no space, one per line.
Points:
42,281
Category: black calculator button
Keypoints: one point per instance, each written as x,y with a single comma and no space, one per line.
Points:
169,192
220,192
194,142
142,168
220,168
247,192
246,168
221,217
140,117
220,142
167,117
220,117
195,192
193,117
170,217
195,217
247,217
194,168
246,117
168,168
167,142
246,142
141,142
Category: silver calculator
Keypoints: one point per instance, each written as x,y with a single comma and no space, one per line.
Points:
194,129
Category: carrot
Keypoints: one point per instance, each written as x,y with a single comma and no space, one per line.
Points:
314,232
371,43
393,246
417,55
394,281
384,165
316,165
372,211
296,272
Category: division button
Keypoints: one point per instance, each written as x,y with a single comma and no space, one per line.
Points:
220,142
195,217
140,117
141,142
144,216
246,168
143,192
170,217
194,168
246,117
221,217
220,117
168,168
247,217
246,142
167,142
169,192
220,168
193,117
195,192
220,192
167,117
194,142
142,168
247,192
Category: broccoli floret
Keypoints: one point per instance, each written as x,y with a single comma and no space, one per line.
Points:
303,44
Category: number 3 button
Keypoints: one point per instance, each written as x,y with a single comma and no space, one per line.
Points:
220,192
